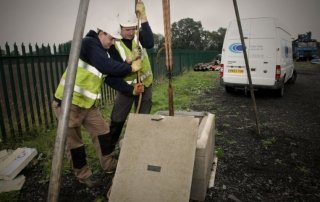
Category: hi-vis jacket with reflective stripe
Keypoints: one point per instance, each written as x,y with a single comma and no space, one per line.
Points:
145,72
146,41
89,77
87,89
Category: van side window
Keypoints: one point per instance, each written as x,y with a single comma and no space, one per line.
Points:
286,51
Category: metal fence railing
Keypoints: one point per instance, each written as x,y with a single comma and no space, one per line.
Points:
29,77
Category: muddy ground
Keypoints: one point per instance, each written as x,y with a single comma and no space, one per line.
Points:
283,164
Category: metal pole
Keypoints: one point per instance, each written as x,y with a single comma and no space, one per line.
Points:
247,66
57,161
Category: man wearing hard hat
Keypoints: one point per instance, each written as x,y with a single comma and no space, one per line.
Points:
126,50
94,66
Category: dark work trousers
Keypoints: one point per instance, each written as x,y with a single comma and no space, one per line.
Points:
98,129
122,107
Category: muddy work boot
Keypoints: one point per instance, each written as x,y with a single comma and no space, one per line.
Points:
111,165
91,181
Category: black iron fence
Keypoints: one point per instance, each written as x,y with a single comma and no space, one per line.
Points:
29,76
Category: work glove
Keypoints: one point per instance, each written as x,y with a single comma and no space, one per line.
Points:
136,65
138,88
135,54
141,10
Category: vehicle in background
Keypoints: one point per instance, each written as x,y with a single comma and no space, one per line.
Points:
305,48
315,61
269,50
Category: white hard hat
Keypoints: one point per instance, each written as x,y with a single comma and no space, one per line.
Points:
111,27
128,19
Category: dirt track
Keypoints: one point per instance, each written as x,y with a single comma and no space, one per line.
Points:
281,165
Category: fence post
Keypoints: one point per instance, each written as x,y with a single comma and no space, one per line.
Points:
29,94
14,93
22,97
46,52
52,83
5,92
34,78
56,66
61,64
44,108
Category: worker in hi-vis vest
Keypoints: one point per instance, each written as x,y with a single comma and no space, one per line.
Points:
124,50
94,68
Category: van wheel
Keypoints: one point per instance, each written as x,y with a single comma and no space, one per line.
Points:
293,79
280,92
229,89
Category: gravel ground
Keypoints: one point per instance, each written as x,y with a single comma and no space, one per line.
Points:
283,163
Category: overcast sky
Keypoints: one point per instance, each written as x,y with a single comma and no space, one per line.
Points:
53,21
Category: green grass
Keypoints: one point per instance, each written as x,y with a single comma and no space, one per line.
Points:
268,142
186,88
219,152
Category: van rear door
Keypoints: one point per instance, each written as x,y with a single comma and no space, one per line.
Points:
262,61
262,54
234,65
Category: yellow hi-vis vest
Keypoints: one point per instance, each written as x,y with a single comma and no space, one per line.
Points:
146,76
87,88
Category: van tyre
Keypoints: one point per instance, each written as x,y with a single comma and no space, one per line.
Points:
293,79
280,92
229,89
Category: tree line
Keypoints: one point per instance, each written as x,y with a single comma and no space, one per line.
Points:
189,34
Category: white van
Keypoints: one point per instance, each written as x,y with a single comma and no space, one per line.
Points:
269,50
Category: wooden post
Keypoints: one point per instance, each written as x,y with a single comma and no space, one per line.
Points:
138,72
247,66
168,50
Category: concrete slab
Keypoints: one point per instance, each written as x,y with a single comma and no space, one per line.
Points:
15,162
3,155
204,152
156,159
12,185
7,157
